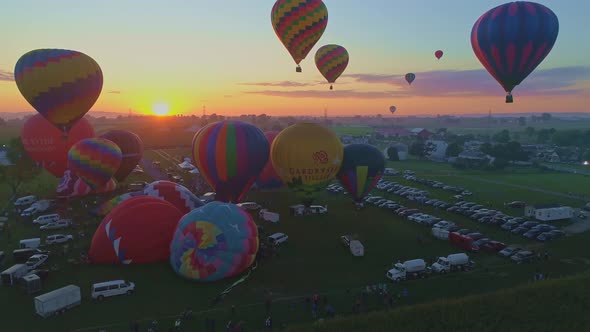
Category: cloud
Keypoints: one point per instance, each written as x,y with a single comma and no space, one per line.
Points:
6,75
116,92
556,81
325,94
281,84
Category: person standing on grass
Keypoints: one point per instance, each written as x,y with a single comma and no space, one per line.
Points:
268,323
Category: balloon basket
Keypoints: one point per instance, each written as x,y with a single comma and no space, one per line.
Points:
298,69
509,99
331,87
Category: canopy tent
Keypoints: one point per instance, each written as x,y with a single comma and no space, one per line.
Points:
186,165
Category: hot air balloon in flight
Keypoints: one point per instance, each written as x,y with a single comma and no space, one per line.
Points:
307,156
299,24
361,169
410,77
331,61
62,85
230,155
131,147
438,54
94,160
268,178
43,142
392,109
511,40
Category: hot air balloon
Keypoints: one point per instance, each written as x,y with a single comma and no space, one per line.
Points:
307,156
392,109
62,85
174,193
438,54
94,160
44,144
136,231
230,155
131,148
70,185
331,61
361,168
106,207
268,178
410,77
216,241
511,40
299,24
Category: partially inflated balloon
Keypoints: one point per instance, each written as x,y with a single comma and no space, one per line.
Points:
109,205
62,85
410,77
511,40
174,193
361,169
216,241
392,109
269,178
331,61
70,185
299,24
44,144
230,155
307,156
94,160
131,148
438,54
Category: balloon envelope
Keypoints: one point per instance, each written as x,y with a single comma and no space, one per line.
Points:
216,241
361,169
136,231
299,24
511,40
94,160
106,207
438,54
178,195
331,61
269,178
131,149
392,109
70,185
62,85
44,144
410,77
307,156
230,155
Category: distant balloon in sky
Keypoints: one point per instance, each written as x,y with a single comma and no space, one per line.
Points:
392,109
410,77
299,24
331,61
438,54
62,85
511,40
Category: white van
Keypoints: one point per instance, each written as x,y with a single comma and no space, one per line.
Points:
318,209
33,243
24,201
249,205
278,238
111,288
46,219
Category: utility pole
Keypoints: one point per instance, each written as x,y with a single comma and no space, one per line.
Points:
204,111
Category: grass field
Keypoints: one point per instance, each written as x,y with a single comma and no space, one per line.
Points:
312,261
352,130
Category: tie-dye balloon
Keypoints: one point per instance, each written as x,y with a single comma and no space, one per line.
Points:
230,155
361,169
94,160
331,61
299,24
62,85
213,242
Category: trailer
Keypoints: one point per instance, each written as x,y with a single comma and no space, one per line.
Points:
266,215
11,275
57,301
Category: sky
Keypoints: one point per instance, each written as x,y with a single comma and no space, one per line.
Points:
176,56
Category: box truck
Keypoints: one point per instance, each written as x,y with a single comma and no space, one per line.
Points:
57,301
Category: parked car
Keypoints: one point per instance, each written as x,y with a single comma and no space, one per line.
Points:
544,228
35,261
481,242
249,205
475,236
60,224
58,238
557,233
546,236
509,251
345,239
529,224
509,225
532,234
493,246
523,256
519,230
278,238
516,204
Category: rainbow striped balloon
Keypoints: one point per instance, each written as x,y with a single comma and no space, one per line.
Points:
94,160
62,85
331,61
299,24
230,155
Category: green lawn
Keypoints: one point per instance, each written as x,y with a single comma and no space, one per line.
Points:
312,261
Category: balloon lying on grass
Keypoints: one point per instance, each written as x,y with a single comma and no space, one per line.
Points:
136,231
216,241
175,194
70,185
44,144
269,178
131,151
361,169
106,207
94,160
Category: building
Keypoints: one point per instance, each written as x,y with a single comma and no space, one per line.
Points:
421,132
472,145
549,212
439,149
472,158
402,151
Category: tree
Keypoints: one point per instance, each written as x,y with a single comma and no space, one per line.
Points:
454,149
2,122
530,131
544,135
522,121
421,149
392,153
502,137
22,169
546,117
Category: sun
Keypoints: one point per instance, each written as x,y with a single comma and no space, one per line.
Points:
161,109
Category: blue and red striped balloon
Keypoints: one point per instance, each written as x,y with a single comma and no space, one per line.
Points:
230,155
511,40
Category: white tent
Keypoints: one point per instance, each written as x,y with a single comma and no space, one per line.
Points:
356,248
186,165
194,171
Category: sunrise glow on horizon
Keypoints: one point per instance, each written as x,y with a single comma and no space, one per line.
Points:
176,57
